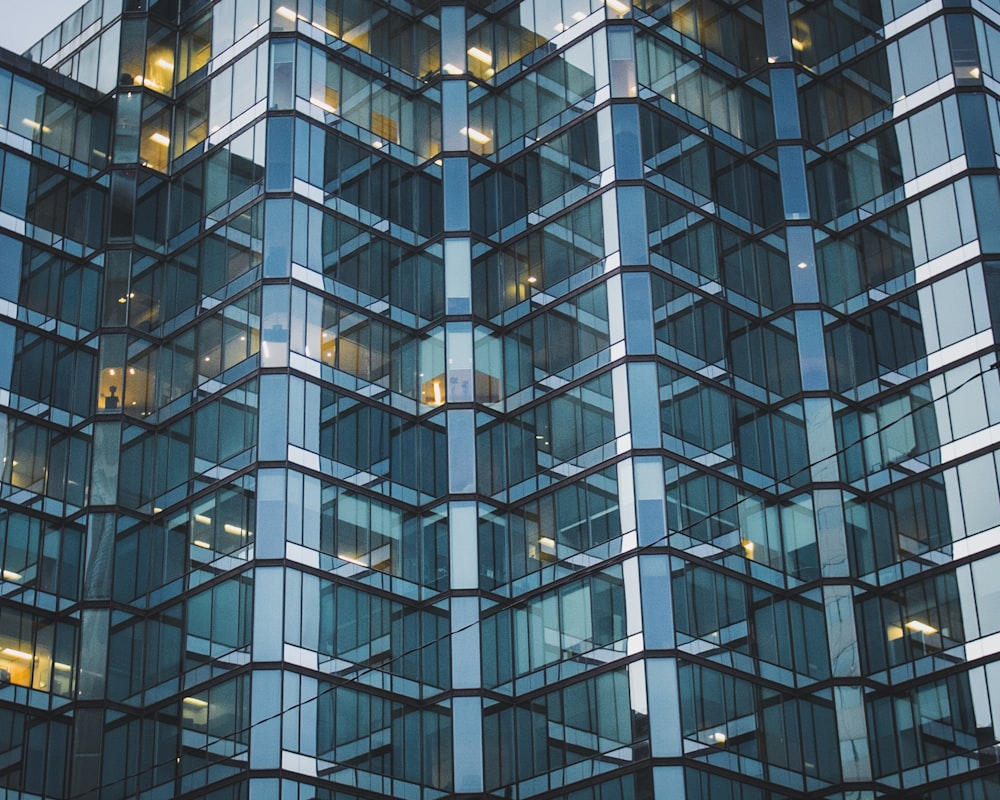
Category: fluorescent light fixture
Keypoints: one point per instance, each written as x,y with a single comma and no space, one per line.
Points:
974,72
894,632
10,651
160,138
62,667
287,13
803,265
477,136
196,702
162,62
200,543
798,44
617,6
917,626
579,16
10,575
378,144
325,106
532,279
481,56
202,519
37,126
719,737
323,29
438,398
451,69
351,559
235,530
772,59
748,547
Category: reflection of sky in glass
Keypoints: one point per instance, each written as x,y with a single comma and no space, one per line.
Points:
23,25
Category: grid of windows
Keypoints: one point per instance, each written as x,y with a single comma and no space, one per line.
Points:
571,399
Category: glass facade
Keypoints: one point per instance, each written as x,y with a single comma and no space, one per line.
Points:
558,399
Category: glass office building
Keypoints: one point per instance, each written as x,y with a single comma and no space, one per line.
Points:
558,399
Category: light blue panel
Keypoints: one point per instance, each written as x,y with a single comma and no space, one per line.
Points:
467,729
664,708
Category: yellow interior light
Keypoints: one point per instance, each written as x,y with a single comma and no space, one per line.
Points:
917,626
160,138
481,55
149,83
323,29
196,702
36,125
321,104
10,651
235,530
617,6
477,136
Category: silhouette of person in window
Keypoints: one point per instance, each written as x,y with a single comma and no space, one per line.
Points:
111,401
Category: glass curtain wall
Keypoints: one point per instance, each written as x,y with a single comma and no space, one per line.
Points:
558,399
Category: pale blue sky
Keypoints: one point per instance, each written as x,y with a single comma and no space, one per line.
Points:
27,21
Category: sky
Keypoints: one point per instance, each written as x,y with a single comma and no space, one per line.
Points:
27,21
